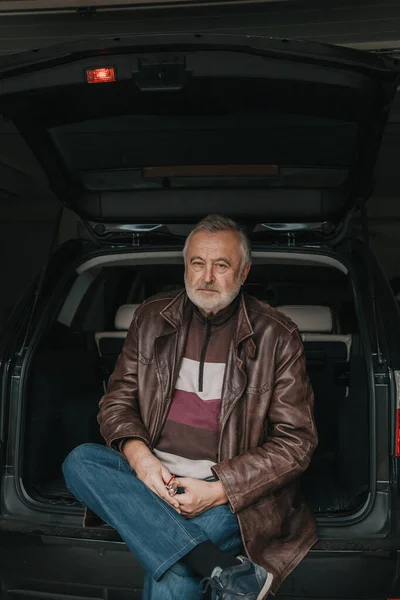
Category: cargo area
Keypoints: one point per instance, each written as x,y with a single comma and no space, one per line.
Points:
75,355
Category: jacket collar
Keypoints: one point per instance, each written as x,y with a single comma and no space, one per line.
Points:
177,313
244,330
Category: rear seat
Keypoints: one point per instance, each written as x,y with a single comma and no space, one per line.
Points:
316,324
109,343
327,354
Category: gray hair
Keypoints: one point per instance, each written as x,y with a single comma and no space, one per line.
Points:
216,223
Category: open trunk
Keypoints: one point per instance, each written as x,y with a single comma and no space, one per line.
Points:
74,355
141,135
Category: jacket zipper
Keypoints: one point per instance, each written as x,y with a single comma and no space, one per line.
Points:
228,414
203,354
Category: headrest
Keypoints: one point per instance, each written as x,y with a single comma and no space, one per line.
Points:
124,316
309,319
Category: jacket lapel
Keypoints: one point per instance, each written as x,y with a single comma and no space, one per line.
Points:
234,384
235,377
170,347
165,351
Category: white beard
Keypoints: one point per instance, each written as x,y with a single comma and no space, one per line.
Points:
211,305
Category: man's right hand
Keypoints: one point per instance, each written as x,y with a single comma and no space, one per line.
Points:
149,470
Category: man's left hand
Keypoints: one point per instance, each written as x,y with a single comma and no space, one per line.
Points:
199,496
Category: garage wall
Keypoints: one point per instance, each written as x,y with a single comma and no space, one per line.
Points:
20,261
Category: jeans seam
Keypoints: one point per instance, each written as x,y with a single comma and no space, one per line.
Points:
164,506
192,540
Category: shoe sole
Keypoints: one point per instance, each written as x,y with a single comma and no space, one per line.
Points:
265,587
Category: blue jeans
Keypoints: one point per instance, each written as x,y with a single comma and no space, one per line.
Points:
154,532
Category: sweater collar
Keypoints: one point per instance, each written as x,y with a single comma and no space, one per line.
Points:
178,312
222,316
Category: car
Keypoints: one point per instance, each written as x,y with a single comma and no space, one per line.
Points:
142,137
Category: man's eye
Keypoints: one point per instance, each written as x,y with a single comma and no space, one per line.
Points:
221,266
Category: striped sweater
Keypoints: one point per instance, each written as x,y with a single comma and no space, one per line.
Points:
188,445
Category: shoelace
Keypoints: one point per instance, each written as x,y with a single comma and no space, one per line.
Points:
212,583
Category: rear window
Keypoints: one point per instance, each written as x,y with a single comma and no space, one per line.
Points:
115,152
110,136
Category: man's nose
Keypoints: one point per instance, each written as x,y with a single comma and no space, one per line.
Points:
209,274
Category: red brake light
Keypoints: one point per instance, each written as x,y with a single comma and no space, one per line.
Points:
101,75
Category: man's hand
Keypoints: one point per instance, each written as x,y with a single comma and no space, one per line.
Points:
199,496
149,470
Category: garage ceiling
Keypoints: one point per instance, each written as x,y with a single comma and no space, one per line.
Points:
26,25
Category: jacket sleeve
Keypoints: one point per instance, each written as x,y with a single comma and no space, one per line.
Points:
292,436
119,415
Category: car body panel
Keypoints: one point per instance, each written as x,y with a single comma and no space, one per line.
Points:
47,566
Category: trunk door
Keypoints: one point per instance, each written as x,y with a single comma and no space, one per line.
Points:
279,132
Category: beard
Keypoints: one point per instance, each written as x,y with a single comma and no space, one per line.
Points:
215,302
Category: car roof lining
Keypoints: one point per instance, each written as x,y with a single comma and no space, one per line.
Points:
88,270
175,257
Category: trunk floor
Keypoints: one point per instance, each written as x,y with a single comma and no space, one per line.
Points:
322,495
55,492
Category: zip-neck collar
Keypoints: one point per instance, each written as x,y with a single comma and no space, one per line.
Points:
213,324
179,311
222,316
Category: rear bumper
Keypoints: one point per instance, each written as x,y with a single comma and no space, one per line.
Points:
47,567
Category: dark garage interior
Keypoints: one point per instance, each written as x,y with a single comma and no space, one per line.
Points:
63,356
28,209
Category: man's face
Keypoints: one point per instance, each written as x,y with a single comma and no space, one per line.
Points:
213,273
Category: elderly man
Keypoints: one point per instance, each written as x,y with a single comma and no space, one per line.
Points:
208,419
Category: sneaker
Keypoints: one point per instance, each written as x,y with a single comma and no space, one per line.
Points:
247,581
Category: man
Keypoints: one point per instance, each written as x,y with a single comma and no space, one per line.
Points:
208,419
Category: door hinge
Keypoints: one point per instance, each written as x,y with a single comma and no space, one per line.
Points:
291,239
381,378
381,374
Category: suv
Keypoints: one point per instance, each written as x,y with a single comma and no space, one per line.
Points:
141,138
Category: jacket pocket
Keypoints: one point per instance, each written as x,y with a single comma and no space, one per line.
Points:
262,520
267,518
145,360
258,390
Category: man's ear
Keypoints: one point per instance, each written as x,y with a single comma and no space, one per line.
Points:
245,272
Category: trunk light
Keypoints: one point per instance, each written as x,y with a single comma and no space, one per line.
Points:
397,380
101,75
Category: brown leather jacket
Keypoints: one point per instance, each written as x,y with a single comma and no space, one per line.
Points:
267,429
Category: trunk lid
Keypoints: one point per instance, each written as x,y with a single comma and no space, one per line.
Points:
173,127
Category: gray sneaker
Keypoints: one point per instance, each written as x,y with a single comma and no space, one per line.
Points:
247,581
